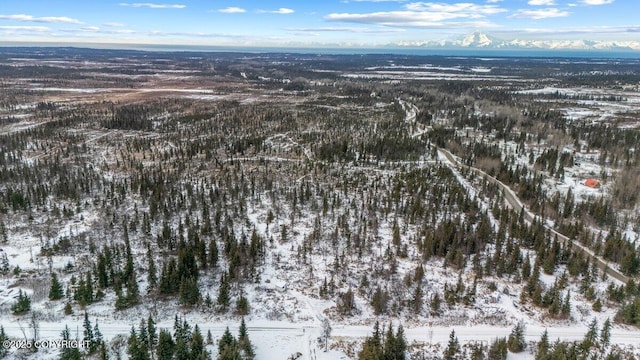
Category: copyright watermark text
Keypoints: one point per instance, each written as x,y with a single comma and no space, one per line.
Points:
44,344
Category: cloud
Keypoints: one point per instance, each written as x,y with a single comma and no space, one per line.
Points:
232,10
542,2
596,2
154,6
493,1
26,28
90,28
113,24
45,19
426,15
462,9
585,30
457,8
282,11
347,29
539,14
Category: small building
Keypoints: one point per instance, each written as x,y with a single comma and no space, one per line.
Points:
592,183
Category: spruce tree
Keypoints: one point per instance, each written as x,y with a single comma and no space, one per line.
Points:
246,348
516,342
166,346
498,349
88,337
605,334
3,337
372,346
153,336
223,294
152,276
543,345
69,353
213,254
55,291
197,349
453,347
228,347
23,305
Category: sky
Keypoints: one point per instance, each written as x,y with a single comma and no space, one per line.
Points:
357,23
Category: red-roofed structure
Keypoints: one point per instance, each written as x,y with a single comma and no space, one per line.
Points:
592,183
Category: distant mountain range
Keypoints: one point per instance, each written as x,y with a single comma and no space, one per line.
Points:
479,40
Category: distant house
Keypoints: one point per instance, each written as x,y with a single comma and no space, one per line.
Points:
592,183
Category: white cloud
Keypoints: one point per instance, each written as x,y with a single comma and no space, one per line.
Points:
283,11
426,15
45,19
154,6
464,9
493,1
539,14
542,2
408,19
596,2
90,28
232,10
347,29
26,28
585,30
113,24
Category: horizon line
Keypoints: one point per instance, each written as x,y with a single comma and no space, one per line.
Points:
325,49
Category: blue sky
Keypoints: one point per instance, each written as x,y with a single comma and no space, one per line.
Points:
313,23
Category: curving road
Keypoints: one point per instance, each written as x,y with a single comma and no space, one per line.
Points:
513,200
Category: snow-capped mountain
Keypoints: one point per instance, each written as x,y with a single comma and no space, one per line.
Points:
477,39
480,40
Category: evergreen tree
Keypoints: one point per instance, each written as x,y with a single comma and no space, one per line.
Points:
453,347
543,345
228,347
516,342
436,302
23,305
132,344
143,336
89,295
372,346
182,348
153,336
152,276
399,345
166,346
223,294
605,334
213,254
389,344
198,351
55,291
69,353
88,336
97,335
242,306
591,337
477,351
189,291
3,337
246,348
498,349
379,301
103,353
